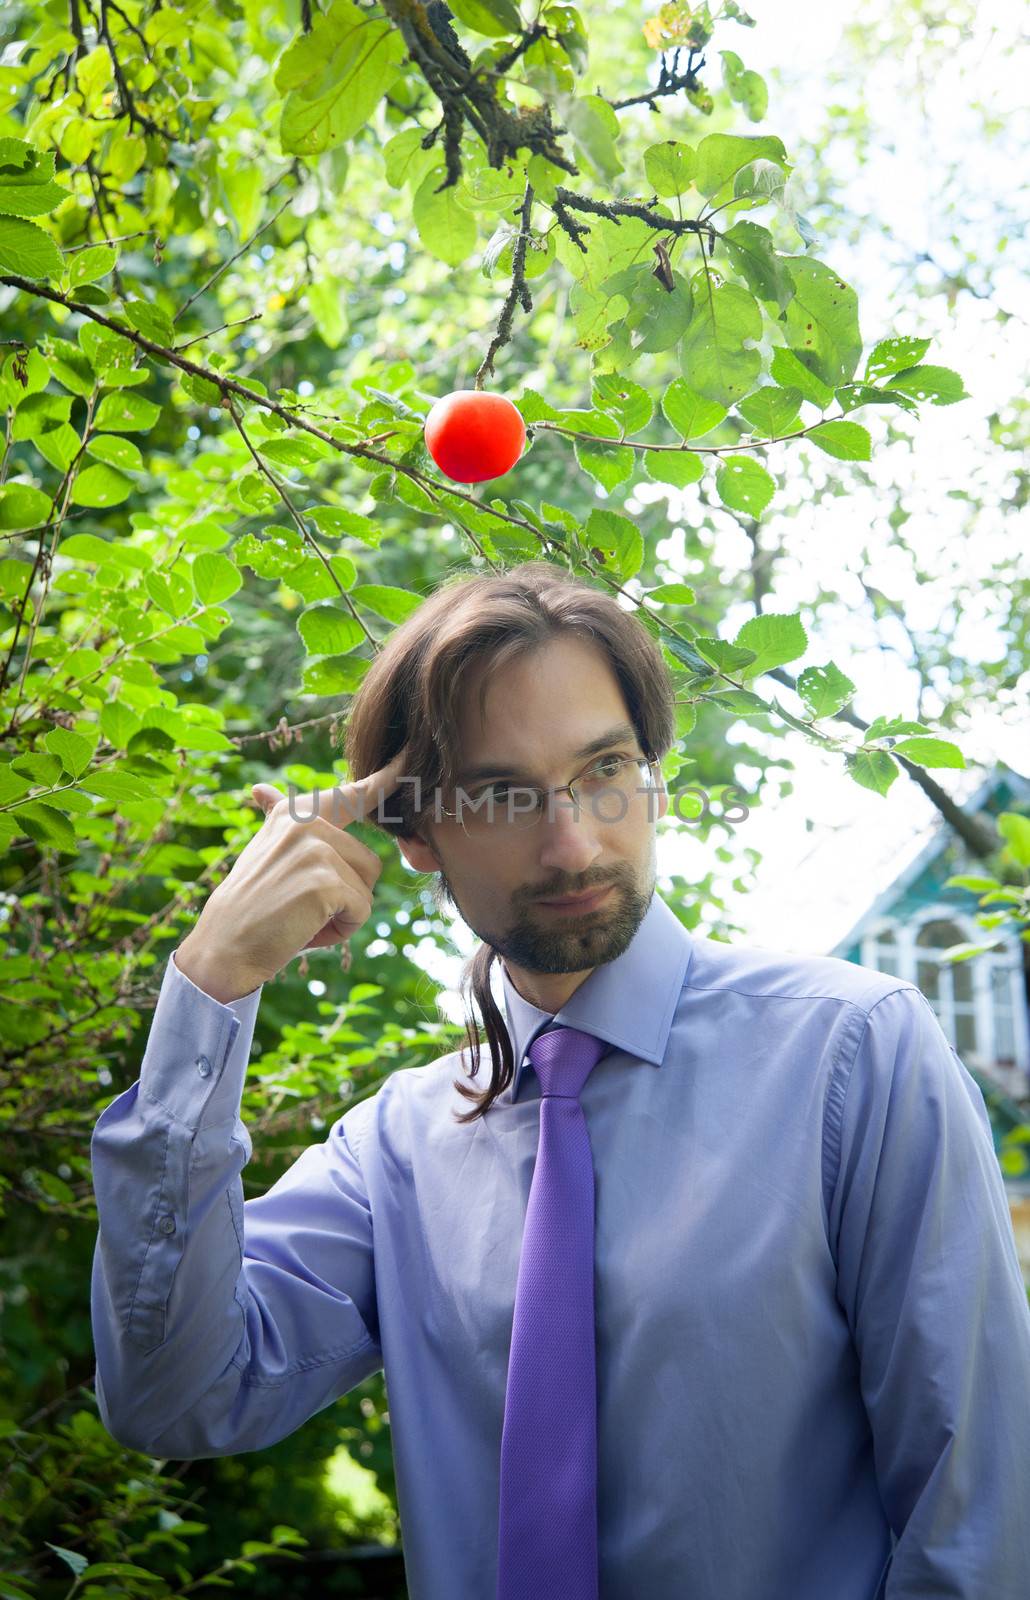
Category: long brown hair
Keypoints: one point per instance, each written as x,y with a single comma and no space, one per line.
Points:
410,696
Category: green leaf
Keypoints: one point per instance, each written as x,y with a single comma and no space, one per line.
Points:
447,228
492,17
745,87
30,199
296,452
333,675
40,409
618,539
873,769
848,441
103,347
852,395
46,825
824,690
215,577
1015,830
89,265
87,547
894,355
595,128
720,155
335,522
396,605
683,651
744,485
728,658
691,414
115,452
678,467
772,410
327,302
670,166
611,464
965,881
311,576
939,385
406,160
327,630
202,390
335,76
714,359
28,250
775,639
100,485
125,412
630,405
23,163
69,365
126,155
534,408
73,751
655,314
822,320
765,273
150,321
891,727
930,752
761,181
673,594
788,370
93,72
78,1563
23,506
58,446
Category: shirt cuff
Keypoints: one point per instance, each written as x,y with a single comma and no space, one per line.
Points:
195,1062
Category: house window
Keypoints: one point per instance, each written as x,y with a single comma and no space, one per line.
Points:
980,1003
1004,1017
947,986
885,955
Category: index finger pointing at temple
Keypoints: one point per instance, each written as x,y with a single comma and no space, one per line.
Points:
360,800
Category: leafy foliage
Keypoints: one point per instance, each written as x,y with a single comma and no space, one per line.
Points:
239,259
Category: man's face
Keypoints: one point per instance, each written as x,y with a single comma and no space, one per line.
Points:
539,713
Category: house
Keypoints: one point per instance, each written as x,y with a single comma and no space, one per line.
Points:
983,1003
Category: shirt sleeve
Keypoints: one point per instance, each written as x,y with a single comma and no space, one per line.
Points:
220,1325
929,1278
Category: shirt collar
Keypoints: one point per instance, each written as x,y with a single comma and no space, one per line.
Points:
629,1002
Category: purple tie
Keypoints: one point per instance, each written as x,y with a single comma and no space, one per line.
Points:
547,1548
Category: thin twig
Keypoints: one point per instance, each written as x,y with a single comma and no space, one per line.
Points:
228,263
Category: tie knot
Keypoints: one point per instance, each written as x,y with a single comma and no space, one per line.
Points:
563,1060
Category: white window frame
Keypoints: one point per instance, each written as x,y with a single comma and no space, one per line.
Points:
1007,956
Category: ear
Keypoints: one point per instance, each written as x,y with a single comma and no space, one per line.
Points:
417,853
663,798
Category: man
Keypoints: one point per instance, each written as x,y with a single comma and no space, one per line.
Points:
811,1332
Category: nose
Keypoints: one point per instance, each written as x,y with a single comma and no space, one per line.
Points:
567,841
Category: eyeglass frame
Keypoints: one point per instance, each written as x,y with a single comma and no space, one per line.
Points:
554,789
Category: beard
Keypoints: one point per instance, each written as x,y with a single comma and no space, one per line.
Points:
539,941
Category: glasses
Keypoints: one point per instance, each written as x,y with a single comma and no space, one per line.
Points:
607,785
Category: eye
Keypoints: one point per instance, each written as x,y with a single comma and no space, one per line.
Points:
499,791
613,763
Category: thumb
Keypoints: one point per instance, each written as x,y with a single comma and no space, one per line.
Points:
265,795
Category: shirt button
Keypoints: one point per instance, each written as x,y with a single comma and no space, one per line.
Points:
203,1066
166,1224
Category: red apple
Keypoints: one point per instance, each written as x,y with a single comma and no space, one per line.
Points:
473,436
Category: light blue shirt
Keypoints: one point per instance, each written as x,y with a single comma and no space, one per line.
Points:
813,1336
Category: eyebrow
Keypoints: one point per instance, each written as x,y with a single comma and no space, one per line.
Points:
617,735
